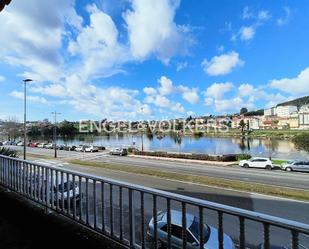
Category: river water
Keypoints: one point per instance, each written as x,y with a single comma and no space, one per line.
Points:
276,148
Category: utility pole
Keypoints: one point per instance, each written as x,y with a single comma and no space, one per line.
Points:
55,131
142,109
25,114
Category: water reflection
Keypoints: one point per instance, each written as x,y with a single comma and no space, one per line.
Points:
276,148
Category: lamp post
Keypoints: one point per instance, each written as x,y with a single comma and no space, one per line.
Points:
55,131
25,114
142,109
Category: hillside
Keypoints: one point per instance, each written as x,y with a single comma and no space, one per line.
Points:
296,102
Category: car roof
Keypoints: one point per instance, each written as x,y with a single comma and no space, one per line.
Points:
264,158
176,218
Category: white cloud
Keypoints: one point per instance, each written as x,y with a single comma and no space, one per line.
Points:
98,45
189,94
222,64
286,18
178,108
2,78
247,33
263,15
55,90
166,86
33,38
218,90
162,101
35,99
150,91
181,65
297,86
152,30
246,13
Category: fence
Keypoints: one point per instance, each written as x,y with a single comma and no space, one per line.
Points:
133,215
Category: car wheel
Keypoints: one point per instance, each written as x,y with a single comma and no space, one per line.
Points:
246,165
289,169
268,167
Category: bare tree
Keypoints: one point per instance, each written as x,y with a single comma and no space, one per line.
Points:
11,128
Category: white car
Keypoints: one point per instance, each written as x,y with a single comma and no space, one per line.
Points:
80,148
42,145
20,144
91,149
257,162
49,146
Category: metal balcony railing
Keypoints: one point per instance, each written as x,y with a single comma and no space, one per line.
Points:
122,211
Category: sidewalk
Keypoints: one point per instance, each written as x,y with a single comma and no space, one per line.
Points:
216,163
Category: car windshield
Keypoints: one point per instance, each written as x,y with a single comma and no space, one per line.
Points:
195,230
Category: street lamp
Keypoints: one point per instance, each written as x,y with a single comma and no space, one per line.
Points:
55,131
25,114
142,109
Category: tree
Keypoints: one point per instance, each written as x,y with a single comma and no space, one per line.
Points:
242,125
12,128
243,110
67,128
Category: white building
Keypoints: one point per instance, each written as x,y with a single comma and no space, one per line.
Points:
270,112
304,117
286,111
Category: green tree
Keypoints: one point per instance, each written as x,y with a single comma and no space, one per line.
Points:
67,128
243,110
242,125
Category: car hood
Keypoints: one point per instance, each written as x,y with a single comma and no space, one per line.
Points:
214,243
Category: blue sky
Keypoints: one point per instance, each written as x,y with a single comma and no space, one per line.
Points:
134,59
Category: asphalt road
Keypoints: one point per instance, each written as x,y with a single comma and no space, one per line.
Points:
276,177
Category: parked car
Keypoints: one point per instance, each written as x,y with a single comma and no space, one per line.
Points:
49,146
91,149
42,145
192,233
61,147
33,145
68,187
119,152
80,148
296,166
20,143
70,148
257,162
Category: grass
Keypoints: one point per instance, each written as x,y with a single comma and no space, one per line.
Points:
285,192
279,162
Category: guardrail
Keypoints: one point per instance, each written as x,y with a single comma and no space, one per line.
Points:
122,211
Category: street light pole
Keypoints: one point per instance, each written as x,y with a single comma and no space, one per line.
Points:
25,114
55,131
142,109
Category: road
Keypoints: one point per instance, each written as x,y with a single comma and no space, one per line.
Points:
275,177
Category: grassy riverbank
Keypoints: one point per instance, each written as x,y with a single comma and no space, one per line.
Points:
203,180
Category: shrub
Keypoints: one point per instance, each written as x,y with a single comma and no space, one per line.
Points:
204,157
7,152
242,157
302,141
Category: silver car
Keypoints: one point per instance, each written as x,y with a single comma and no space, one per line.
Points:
296,166
192,232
